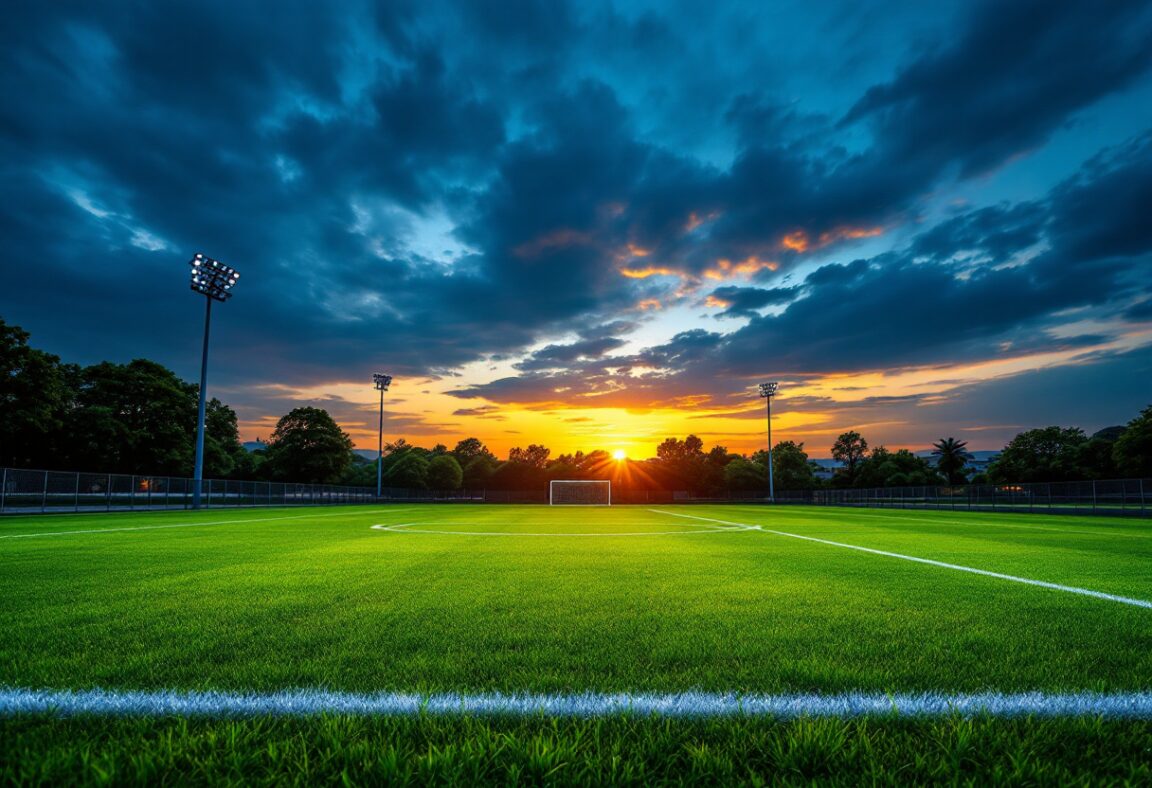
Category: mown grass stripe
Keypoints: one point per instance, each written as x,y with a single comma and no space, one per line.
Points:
187,525
297,703
999,575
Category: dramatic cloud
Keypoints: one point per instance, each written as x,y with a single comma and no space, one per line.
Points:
543,204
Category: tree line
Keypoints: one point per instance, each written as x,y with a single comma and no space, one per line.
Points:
140,418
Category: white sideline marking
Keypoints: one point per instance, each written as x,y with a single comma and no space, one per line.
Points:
298,703
983,524
1043,584
407,528
183,525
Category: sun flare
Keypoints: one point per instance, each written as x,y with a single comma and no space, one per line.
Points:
619,454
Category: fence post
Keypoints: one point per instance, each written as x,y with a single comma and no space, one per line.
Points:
44,495
76,494
3,489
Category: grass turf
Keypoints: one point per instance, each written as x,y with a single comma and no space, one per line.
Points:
483,598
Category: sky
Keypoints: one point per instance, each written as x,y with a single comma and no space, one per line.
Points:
596,225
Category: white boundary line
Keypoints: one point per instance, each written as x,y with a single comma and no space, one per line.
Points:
186,525
407,528
297,703
982,524
1028,581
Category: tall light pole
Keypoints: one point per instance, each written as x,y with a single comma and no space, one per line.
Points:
767,391
382,383
214,280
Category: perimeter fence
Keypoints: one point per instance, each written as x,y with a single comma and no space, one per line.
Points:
40,492
34,492
1114,497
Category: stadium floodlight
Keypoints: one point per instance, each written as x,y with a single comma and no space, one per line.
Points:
213,280
382,383
768,391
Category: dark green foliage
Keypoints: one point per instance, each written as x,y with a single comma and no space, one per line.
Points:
900,468
133,418
1133,450
445,473
849,450
951,457
744,475
640,751
409,470
308,446
1049,454
790,467
35,395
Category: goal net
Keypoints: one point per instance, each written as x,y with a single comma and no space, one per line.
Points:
579,492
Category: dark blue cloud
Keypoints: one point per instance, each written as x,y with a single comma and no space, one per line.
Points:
425,185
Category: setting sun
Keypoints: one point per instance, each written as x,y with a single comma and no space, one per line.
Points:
619,454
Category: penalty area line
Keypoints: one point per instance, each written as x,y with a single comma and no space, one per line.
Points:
300,703
972,570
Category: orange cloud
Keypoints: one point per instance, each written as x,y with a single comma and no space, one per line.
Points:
652,270
695,220
649,303
557,239
799,241
749,265
719,303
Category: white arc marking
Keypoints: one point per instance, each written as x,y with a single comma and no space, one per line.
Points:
1043,584
409,528
298,703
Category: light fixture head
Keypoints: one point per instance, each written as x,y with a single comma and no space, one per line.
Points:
768,389
382,381
212,278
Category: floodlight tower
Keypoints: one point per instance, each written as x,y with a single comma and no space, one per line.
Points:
768,391
214,280
382,383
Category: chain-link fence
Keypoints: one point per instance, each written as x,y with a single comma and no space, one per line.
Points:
34,492
1116,497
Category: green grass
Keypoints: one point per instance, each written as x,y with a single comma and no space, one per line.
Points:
272,599
621,750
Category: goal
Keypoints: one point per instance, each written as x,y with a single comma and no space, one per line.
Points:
579,492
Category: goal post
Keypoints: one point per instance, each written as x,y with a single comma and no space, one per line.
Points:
579,492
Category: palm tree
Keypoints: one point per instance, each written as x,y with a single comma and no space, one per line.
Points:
951,457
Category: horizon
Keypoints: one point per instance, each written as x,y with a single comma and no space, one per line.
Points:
598,225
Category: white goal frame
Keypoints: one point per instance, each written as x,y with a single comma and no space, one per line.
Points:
583,482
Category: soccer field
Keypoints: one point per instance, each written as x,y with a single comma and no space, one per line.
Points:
697,612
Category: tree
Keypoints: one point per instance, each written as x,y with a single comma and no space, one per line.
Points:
790,467
35,395
900,468
409,471
470,449
133,418
849,449
479,471
308,446
223,453
1133,449
445,473
1049,454
534,456
951,457
745,475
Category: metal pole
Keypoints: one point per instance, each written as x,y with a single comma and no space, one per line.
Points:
198,473
771,486
44,496
3,489
380,450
